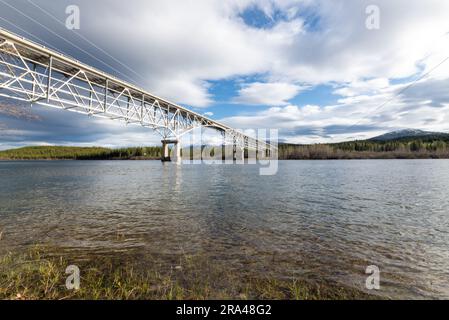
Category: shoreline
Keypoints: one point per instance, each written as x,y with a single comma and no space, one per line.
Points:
412,148
39,273
44,159
315,159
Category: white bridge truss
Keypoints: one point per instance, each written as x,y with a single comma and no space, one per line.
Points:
35,74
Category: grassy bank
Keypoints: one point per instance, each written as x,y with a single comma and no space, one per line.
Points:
38,275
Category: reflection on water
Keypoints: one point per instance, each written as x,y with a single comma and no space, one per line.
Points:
314,219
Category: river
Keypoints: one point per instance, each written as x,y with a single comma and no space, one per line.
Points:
313,219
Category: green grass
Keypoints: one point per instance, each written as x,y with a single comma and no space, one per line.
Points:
38,275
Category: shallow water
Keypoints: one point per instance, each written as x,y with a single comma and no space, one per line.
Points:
313,219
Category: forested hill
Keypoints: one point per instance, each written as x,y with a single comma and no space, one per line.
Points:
431,146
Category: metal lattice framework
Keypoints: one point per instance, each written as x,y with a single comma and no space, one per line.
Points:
35,74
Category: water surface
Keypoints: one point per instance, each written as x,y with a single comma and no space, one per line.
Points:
314,219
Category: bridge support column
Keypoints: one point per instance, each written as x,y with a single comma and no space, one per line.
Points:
239,155
177,152
257,150
223,146
165,154
268,152
223,152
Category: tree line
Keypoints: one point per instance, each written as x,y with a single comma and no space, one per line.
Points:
80,153
368,149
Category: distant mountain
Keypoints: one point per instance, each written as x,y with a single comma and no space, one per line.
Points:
410,134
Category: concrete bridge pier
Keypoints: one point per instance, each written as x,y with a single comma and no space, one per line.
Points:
242,155
176,152
165,152
238,154
268,152
177,159
223,152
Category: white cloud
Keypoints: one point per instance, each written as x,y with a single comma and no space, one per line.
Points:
343,50
358,116
181,45
363,87
176,47
270,94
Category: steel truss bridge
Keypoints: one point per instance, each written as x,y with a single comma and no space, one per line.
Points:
35,74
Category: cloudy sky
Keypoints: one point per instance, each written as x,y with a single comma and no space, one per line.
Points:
319,71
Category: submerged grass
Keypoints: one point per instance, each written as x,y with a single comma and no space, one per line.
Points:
37,275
